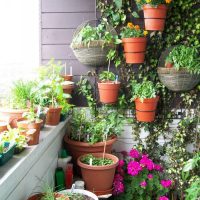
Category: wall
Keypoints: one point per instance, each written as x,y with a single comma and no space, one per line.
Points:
59,19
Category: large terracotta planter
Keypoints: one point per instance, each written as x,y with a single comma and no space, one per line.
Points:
67,77
154,17
99,179
77,149
27,126
67,89
12,115
134,49
3,126
53,116
145,111
108,92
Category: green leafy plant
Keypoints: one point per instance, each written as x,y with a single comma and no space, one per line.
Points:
106,76
143,90
183,57
96,161
31,116
153,3
21,94
133,31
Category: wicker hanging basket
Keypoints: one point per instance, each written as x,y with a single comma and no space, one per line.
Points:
94,54
174,80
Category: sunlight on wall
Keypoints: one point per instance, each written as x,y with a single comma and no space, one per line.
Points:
19,40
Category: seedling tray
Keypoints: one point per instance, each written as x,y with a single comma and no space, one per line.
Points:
4,157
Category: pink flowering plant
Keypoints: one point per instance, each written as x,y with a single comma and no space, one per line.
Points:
138,177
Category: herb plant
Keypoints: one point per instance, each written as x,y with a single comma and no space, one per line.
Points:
106,76
96,161
183,57
133,31
31,116
153,3
143,90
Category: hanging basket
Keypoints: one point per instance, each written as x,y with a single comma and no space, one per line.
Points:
174,80
94,54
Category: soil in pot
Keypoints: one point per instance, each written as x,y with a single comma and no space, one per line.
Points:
154,17
99,178
53,116
134,49
32,130
108,92
145,111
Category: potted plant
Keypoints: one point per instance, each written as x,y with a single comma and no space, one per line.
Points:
91,43
184,71
3,126
66,108
18,101
139,177
30,121
101,166
155,12
68,87
14,135
108,87
87,135
134,41
146,99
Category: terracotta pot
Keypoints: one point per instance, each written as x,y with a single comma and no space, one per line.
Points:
108,92
98,178
53,116
77,149
169,65
67,77
145,111
33,135
155,17
36,197
134,49
68,89
12,115
3,126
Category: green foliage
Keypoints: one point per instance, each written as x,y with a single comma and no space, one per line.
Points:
132,31
96,161
21,93
31,116
106,76
143,90
184,57
153,3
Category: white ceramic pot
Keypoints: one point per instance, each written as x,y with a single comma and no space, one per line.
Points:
85,192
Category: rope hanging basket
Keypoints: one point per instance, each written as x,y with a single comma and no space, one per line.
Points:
94,53
174,80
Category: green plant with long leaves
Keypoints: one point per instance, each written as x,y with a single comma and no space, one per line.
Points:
154,3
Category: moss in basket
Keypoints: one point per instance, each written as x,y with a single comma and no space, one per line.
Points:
183,57
92,160
143,90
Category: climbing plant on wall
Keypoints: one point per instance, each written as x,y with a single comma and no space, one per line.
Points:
182,27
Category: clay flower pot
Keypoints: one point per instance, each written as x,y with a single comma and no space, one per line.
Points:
36,197
3,126
99,179
145,111
12,115
169,65
154,17
67,77
53,116
108,92
77,148
32,130
134,49
68,87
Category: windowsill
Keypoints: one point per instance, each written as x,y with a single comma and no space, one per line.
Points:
19,165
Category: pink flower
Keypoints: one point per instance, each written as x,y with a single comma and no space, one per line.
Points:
166,183
134,153
143,184
150,176
146,162
121,163
118,188
158,168
118,177
163,198
134,168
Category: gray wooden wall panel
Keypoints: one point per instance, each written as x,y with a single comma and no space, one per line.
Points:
57,36
68,5
65,20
